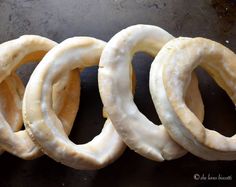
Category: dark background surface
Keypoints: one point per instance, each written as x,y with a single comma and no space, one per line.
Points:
61,19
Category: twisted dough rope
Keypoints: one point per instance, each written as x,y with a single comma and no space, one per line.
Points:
77,52
169,77
11,95
13,54
135,129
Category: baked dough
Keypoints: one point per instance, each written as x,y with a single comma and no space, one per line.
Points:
134,128
46,127
11,95
169,78
21,51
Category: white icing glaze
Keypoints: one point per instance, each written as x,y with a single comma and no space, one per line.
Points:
77,52
135,129
13,54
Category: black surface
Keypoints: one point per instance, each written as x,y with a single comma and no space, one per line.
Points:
61,19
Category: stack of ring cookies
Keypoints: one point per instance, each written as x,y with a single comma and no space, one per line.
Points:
49,104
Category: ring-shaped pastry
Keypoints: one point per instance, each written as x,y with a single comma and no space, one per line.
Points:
31,48
11,95
134,128
77,52
170,75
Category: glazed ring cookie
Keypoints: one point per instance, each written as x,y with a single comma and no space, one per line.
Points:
135,129
169,77
20,51
46,127
11,95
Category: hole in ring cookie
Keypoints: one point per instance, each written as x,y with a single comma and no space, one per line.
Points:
213,95
90,103
141,63
77,52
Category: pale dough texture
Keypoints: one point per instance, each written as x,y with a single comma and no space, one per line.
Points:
170,75
11,95
31,48
46,127
140,134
